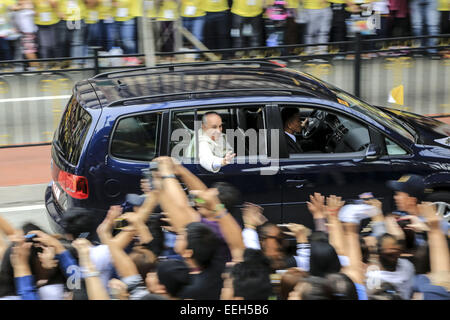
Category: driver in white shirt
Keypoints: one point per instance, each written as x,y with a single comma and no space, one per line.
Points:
214,151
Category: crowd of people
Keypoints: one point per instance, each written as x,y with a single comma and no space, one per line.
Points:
71,28
207,244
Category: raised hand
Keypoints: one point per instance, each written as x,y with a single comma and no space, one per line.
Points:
47,240
47,258
166,219
20,254
305,123
429,212
416,224
334,204
165,165
210,201
228,158
252,215
299,231
145,186
104,230
316,205
83,248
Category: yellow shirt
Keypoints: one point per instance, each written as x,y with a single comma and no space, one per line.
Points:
292,4
215,5
357,3
105,9
4,4
125,10
444,5
168,11
247,8
315,4
337,1
73,10
45,14
91,15
191,8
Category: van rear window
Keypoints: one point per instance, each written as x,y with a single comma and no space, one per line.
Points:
136,137
72,132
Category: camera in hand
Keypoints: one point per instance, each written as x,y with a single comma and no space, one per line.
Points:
120,223
403,223
147,172
30,237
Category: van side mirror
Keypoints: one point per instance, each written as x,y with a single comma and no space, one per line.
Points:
373,152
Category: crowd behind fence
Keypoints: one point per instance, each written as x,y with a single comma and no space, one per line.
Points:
72,28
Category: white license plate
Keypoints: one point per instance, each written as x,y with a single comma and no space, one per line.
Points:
56,191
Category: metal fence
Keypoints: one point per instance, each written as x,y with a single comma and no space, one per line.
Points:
32,102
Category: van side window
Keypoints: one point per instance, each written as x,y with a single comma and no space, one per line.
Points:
240,130
136,137
394,149
310,130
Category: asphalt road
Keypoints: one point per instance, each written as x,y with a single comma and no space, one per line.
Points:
23,204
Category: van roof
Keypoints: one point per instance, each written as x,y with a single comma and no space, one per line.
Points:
194,81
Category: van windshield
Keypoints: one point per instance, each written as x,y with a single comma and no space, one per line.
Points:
400,127
72,131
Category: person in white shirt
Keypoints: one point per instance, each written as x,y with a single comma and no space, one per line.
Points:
24,21
214,151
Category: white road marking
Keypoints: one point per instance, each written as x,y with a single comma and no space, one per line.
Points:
23,208
35,98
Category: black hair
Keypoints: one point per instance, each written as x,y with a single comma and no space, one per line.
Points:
323,259
387,261
203,242
29,226
316,288
288,113
380,240
174,275
342,287
144,263
7,285
251,278
386,291
53,276
230,197
76,221
289,280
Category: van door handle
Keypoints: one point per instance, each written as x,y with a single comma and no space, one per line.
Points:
296,183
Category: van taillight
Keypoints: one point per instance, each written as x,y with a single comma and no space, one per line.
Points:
75,186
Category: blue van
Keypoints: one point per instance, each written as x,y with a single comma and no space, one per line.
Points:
116,123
